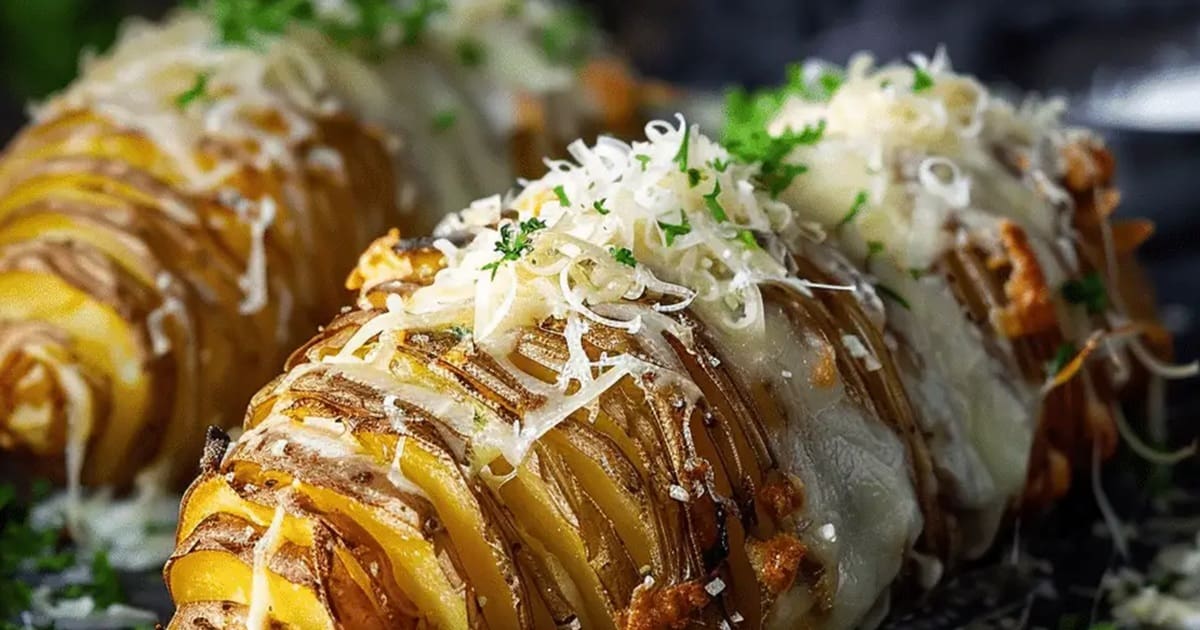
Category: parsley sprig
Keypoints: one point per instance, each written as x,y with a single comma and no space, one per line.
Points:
623,255
922,80
671,231
511,245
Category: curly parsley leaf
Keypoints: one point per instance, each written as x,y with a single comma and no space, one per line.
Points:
714,205
511,245
672,231
623,256
922,80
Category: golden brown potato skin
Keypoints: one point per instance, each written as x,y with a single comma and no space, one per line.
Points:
127,312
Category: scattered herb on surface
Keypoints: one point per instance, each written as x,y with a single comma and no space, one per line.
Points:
198,91
623,256
860,201
512,246
673,231
922,80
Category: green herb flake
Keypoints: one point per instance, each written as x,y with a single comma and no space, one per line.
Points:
471,52
460,332
198,91
1066,351
599,206
874,248
1088,292
830,81
444,120
747,238
512,246
860,201
714,205
623,256
891,294
561,193
916,272
693,177
681,156
719,165
922,80
644,159
673,231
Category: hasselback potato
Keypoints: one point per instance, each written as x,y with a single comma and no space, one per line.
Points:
991,220
187,210
647,393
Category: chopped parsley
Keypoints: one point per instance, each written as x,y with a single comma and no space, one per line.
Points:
693,177
748,114
860,201
672,231
747,238
623,256
747,139
719,165
471,52
714,206
874,248
444,120
922,80
644,159
681,156
198,91
1088,292
599,206
1066,351
916,272
512,246
561,193
891,294
460,332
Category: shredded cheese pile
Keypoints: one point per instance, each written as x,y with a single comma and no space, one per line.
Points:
921,143
671,218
